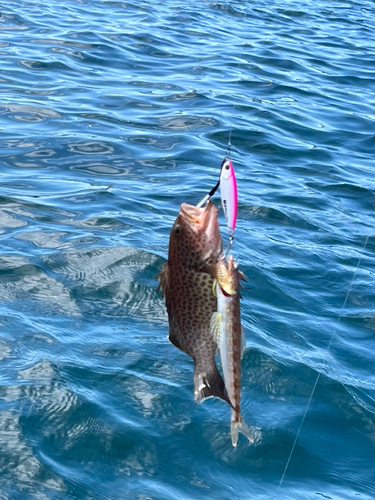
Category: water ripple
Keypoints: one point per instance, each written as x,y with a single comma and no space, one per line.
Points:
112,114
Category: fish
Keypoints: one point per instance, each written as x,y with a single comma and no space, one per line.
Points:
186,282
229,335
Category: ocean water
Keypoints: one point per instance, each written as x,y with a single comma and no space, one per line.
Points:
112,113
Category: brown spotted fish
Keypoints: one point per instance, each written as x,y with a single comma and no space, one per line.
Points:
228,333
187,283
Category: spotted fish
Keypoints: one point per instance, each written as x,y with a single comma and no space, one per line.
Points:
228,333
186,282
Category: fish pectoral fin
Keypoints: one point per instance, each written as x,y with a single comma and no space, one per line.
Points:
214,287
163,278
216,327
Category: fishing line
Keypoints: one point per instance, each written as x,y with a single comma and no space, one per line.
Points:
229,141
228,186
318,376
229,198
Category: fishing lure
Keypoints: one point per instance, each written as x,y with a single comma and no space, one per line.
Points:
228,190
229,200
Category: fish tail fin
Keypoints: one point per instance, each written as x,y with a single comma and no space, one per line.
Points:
208,383
240,426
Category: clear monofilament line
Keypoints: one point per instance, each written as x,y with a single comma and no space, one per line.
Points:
229,141
318,376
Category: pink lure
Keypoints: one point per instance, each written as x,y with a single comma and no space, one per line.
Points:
228,190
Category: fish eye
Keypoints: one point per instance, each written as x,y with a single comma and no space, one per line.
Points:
177,230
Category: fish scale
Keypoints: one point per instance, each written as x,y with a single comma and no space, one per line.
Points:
226,329
186,282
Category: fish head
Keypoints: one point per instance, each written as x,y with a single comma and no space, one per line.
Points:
195,239
226,277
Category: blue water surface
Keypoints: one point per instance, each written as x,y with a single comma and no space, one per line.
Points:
112,113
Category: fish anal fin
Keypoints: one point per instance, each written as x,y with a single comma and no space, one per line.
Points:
209,384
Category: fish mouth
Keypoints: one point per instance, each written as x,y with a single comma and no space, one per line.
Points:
199,219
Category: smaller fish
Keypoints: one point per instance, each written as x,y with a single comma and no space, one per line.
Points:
228,333
228,190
